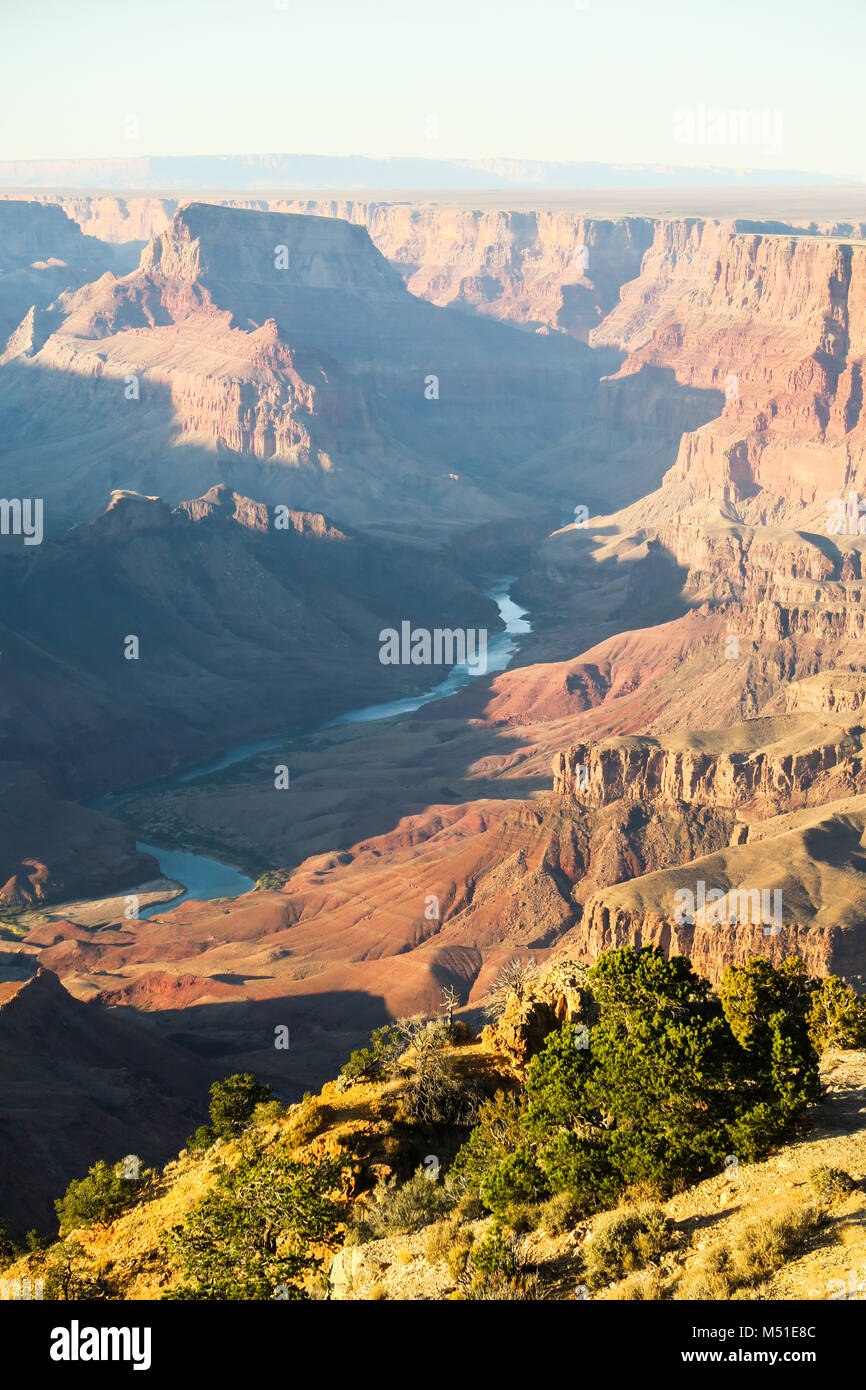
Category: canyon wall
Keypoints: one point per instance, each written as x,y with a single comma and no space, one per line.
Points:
775,322
549,269
726,769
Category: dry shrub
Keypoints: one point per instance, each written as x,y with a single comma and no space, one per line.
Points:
308,1121
470,1207
625,1240
439,1241
763,1246
709,1280
458,1255
770,1240
449,1242
461,1033
646,1285
396,1210
830,1185
558,1214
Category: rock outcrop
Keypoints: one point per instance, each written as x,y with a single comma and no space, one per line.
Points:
771,762
776,324
288,346
43,252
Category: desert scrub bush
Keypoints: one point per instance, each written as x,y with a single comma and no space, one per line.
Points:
99,1198
272,880
470,1207
451,1242
461,1033
233,1102
770,1240
644,1286
837,1017
70,1275
439,1240
201,1139
514,1183
434,1094
458,1254
830,1184
400,1209
261,1229
709,1280
267,1112
676,1076
514,982
624,1241
497,1270
762,1247
308,1120
558,1214
374,1061
496,1134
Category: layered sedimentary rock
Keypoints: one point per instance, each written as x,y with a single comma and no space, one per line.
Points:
42,253
774,322
245,622
771,761
805,867
289,345
557,270
842,691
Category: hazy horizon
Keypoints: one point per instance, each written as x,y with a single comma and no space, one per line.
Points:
556,81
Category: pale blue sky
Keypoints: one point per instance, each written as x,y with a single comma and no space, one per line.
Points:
543,79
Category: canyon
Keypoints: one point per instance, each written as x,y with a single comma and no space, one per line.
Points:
644,421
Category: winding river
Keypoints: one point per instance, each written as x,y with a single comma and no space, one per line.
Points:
209,878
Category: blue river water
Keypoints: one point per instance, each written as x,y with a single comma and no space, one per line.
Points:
209,878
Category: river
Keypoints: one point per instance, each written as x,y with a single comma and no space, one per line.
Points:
209,878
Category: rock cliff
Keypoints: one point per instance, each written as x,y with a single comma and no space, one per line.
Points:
776,324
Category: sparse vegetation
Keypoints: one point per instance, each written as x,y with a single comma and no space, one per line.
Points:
497,1133
830,1185
377,1059
558,1214
398,1209
434,1093
70,1274
674,1079
100,1197
837,1016
624,1241
256,1234
272,881
763,1246
233,1102
514,982
497,1270
201,1139
676,1075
